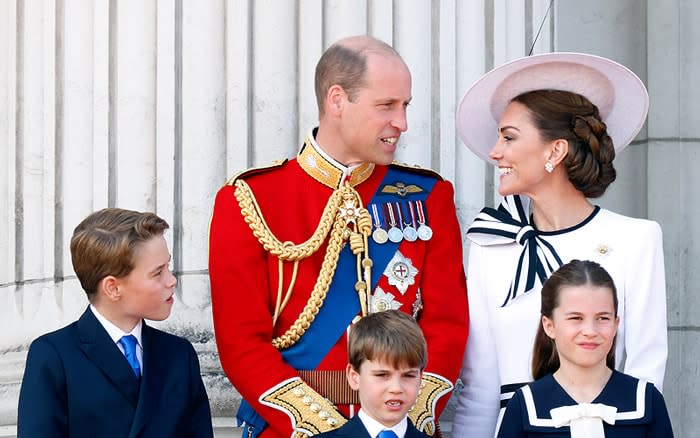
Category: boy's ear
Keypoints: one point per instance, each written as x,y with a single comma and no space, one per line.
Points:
353,377
110,287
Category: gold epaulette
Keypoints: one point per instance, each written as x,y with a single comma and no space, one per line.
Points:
422,414
309,412
254,171
417,169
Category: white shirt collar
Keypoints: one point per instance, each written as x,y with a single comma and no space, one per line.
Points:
115,332
374,427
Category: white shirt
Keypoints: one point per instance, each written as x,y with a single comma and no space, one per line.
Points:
116,334
374,427
499,350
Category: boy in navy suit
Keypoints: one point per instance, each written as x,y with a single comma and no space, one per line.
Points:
109,374
387,354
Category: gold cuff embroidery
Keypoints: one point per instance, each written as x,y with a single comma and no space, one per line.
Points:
422,414
310,413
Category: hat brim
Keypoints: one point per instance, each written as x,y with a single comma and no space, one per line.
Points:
619,94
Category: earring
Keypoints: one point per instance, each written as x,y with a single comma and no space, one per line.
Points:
549,167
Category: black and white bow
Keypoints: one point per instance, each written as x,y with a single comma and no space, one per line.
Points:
507,224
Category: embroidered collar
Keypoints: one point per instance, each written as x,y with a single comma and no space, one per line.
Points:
636,411
324,169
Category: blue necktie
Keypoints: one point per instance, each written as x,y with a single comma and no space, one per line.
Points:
386,433
129,342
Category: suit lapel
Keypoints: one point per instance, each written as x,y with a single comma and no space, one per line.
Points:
151,380
104,353
355,429
412,432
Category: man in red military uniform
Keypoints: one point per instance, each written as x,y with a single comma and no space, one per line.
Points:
302,248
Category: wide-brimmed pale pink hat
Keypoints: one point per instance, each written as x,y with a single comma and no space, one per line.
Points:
619,94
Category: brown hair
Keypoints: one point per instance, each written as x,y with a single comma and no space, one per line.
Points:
565,115
392,336
345,63
105,243
545,359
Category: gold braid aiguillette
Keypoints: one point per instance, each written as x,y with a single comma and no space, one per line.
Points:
342,216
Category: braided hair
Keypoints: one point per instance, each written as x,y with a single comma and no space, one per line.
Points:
565,115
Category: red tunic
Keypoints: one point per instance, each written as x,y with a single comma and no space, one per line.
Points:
244,282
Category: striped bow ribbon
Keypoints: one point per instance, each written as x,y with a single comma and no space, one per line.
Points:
507,224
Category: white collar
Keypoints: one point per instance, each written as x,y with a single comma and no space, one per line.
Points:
115,332
374,427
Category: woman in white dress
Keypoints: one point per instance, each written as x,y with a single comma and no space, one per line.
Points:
552,125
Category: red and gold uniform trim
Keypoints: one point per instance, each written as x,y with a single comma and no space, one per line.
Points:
273,165
432,388
327,172
310,413
245,279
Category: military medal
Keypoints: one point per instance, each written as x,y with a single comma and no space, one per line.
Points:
409,229
399,212
424,231
379,234
382,301
401,272
418,304
395,234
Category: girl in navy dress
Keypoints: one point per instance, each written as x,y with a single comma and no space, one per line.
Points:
577,392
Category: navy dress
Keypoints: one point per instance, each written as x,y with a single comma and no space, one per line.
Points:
641,411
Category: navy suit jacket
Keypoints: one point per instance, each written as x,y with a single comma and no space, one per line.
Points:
355,429
77,383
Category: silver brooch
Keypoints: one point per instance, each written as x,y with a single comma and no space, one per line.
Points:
382,301
401,272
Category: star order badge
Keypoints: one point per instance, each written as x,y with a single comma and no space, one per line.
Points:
401,272
382,301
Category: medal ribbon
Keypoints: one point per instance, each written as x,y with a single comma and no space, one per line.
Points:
421,215
375,214
413,214
392,219
341,304
400,214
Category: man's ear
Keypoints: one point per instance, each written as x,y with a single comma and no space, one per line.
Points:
353,377
335,99
109,286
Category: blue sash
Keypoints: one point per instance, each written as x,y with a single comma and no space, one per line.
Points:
342,304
